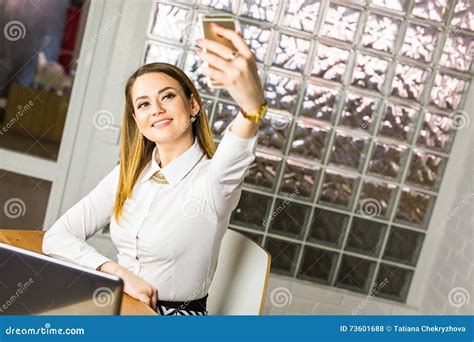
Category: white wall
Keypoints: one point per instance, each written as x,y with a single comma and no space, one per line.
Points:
451,279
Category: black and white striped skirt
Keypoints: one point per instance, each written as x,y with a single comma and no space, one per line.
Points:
189,308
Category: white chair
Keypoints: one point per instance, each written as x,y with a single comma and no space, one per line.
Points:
240,282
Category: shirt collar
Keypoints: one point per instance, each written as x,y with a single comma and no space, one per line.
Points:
178,168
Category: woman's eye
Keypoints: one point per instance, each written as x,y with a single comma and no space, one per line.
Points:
141,105
168,96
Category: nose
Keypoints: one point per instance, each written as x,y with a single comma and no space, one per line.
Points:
157,108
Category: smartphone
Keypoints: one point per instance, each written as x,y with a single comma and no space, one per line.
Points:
224,20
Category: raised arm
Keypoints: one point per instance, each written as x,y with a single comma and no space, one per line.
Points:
237,71
66,239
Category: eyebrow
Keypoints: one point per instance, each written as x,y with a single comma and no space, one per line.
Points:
159,92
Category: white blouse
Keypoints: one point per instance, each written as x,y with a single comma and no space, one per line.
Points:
169,235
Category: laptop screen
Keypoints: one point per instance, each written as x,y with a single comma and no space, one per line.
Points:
35,284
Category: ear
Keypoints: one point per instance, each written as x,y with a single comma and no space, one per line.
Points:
194,105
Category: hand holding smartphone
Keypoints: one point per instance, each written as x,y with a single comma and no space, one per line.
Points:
230,64
224,20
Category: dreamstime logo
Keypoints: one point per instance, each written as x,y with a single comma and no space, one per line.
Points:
371,296
207,106
103,119
460,119
465,201
103,296
22,110
279,123
14,30
192,208
47,329
370,207
102,30
198,291
458,297
37,3
21,288
281,297
454,34
189,123
365,125
14,208
280,208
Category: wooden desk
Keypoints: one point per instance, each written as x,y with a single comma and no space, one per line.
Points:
33,240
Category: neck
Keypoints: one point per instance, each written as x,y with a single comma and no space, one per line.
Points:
170,151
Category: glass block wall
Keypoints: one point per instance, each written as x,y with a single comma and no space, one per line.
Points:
365,99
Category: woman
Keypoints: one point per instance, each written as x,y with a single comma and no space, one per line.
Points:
170,199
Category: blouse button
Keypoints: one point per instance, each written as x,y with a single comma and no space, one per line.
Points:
136,257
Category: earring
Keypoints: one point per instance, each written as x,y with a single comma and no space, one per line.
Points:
193,118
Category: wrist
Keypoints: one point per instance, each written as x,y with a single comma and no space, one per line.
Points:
249,109
112,268
255,115
254,106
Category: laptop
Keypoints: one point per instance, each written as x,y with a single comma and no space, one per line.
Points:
36,284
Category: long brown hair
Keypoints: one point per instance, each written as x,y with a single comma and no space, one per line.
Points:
136,150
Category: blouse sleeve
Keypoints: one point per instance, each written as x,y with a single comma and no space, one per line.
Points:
227,171
66,239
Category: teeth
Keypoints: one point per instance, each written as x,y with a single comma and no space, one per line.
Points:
161,123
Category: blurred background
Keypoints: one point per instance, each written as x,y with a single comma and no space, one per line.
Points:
362,189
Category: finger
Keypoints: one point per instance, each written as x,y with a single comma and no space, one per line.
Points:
150,291
215,47
144,298
235,38
215,60
154,299
215,75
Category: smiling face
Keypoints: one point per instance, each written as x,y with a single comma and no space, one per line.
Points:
162,110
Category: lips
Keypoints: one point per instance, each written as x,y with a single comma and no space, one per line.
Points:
161,122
